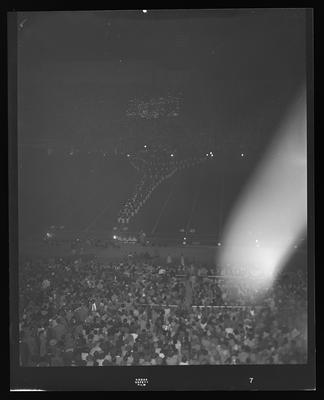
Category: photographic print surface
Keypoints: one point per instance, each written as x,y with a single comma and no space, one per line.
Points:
162,188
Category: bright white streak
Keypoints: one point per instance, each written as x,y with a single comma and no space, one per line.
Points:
272,213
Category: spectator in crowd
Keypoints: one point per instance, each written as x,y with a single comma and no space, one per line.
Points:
127,313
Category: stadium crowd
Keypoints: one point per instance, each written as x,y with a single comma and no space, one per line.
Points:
154,166
137,311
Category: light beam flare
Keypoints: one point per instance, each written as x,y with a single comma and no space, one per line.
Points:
273,208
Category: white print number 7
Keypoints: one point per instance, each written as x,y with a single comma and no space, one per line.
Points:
251,380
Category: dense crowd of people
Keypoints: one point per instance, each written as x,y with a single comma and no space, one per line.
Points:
153,108
139,311
155,166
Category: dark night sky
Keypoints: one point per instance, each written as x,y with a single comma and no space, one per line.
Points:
237,71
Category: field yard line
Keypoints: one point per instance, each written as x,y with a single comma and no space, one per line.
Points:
194,203
221,201
96,218
162,210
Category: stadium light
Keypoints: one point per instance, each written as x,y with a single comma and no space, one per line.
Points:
115,237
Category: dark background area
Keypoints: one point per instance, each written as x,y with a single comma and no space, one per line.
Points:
237,71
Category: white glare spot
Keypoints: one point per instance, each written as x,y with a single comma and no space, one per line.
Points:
274,202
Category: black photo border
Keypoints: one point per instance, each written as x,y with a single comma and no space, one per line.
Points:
173,378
